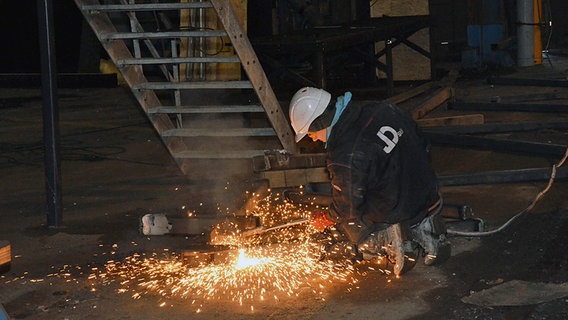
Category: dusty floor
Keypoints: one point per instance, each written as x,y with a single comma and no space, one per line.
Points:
115,170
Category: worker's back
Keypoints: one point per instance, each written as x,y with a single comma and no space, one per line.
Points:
380,165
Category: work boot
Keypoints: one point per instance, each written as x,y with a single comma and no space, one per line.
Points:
430,234
393,246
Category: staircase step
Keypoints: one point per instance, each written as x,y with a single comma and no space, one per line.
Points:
193,85
215,129
162,34
237,154
149,61
217,132
207,109
147,6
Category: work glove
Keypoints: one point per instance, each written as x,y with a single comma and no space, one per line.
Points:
320,221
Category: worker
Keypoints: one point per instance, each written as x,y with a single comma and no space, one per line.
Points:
385,196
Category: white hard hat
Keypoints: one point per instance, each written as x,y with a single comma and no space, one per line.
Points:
306,105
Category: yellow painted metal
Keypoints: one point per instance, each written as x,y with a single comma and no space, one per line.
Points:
212,46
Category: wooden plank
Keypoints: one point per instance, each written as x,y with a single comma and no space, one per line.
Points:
463,120
5,253
255,73
409,94
295,177
432,102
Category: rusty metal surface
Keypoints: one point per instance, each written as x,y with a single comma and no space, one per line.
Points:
279,161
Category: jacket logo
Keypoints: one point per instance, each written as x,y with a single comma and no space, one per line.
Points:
392,141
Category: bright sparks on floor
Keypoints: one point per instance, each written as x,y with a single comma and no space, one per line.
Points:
272,267
252,275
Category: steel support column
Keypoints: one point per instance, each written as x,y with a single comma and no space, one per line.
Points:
50,113
525,33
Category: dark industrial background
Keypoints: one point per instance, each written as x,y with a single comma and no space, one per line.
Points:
115,169
78,50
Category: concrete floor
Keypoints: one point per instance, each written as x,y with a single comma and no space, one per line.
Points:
115,170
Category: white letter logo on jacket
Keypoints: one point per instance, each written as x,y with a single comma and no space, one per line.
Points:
392,141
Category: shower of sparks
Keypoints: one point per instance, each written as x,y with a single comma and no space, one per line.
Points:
251,275
271,266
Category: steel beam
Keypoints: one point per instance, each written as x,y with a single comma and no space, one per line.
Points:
504,176
281,161
499,145
508,107
528,82
500,127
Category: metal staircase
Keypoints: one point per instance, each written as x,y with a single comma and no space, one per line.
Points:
198,113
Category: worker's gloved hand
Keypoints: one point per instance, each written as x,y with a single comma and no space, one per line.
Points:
320,221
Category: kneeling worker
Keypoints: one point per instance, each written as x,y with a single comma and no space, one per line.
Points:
385,197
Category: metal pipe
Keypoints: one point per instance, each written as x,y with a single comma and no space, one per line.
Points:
389,71
50,113
525,33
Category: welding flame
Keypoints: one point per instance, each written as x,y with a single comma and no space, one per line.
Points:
243,261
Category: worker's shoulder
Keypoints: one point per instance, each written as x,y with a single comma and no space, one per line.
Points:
375,105
379,108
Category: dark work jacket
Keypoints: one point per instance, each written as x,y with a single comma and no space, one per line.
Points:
380,170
